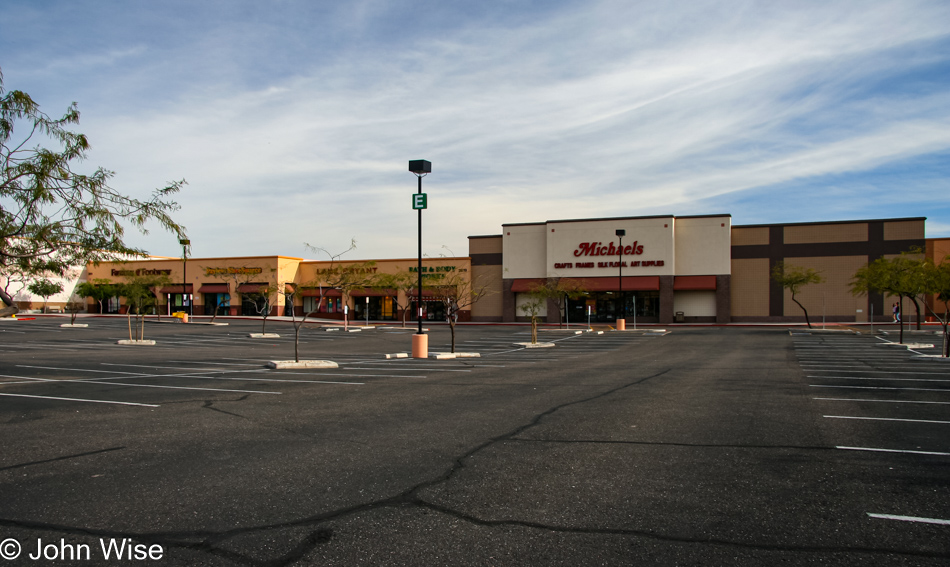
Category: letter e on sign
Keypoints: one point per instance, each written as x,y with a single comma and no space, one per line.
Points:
419,201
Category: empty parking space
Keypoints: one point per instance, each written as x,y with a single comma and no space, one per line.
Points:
883,399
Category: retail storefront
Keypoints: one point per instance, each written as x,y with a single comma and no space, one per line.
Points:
666,269
650,268
380,290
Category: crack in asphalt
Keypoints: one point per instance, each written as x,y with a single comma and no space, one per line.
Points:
63,458
210,542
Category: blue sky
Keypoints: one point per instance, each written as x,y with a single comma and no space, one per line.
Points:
293,121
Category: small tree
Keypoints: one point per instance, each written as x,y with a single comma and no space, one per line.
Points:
99,289
533,307
457,292
73,306
936,279
399,282
45,288
559,291
902,276
263,301
794,278
139,293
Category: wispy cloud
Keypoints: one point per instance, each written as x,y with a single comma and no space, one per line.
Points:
296,125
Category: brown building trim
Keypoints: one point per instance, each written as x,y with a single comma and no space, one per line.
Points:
777,251
817,223
723,298
487,259
666,300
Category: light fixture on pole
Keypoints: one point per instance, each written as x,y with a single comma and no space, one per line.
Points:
184,272
420,341
622,318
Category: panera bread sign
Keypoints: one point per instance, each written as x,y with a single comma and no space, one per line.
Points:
611,250
232,271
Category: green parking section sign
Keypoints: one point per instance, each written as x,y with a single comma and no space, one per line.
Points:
420,200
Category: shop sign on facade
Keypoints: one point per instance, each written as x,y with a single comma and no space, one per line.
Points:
232,270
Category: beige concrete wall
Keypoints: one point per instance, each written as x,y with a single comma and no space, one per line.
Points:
904,230
564,240
830,297
695,303
491,245
703,246
491,305
524,251
750,236
820,233
749,287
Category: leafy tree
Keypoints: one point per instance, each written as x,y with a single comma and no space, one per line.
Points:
99,289
533,308
794,278
558,291
140,295
936,278
51,213
44,288
902,276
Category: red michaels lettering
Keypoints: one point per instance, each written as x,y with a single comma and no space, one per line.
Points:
598,249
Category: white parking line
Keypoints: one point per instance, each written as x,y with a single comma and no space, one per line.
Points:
153,386
80,400
885,419
910,519
888,379
879,388
893,451
890,372
881,401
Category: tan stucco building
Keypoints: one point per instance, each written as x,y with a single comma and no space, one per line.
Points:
233,286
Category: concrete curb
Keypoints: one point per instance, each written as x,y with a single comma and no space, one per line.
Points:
135,343
73,325
537,345
279,364
453,355
264,336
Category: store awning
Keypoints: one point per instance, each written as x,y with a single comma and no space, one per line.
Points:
189,288
315,292
251,287
694,283
525,285
213,288
367,292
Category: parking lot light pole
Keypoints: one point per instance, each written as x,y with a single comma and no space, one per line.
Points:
420,341
622,318
184,273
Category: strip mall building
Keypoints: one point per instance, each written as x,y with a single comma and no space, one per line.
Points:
662,270
692,269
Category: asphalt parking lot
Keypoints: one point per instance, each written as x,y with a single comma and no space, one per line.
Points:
703,446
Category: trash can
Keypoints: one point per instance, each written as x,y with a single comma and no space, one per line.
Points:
680,317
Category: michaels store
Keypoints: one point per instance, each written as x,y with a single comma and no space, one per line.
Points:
700,269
